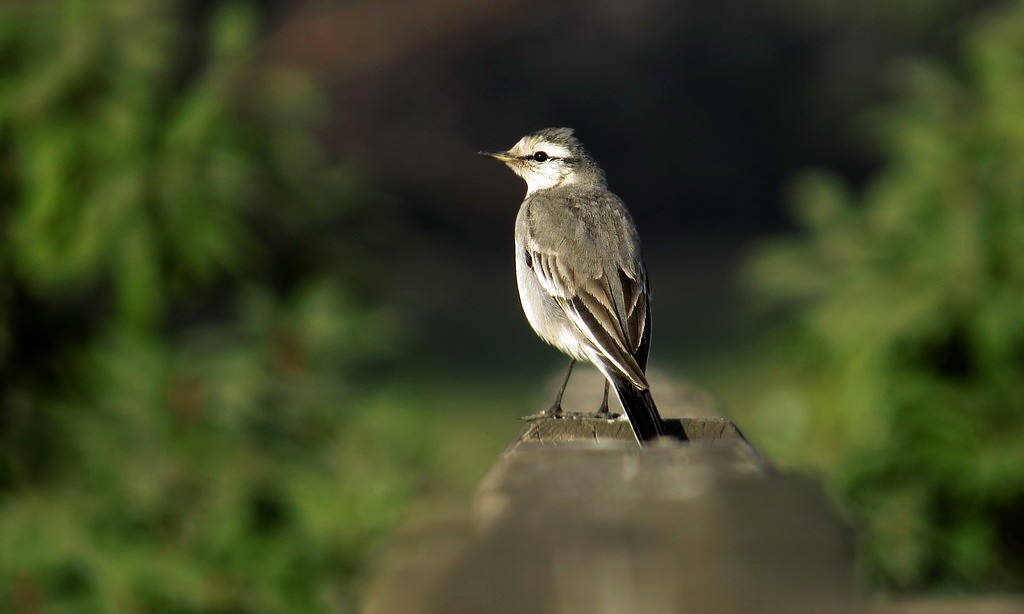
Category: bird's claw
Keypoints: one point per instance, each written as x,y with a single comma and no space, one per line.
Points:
555,411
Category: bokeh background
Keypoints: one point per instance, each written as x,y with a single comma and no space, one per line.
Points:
257,300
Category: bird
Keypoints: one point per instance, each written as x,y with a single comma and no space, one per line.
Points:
580,272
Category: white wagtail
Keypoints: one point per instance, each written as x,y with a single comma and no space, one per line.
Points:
582,279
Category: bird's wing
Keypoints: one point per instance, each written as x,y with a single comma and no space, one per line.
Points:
601,288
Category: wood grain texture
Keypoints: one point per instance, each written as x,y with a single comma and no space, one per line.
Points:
575,517
574,429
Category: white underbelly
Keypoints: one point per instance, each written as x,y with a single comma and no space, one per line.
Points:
546,317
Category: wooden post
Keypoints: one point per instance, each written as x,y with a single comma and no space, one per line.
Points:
576,518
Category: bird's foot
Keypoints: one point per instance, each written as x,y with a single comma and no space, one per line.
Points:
602,413
555,411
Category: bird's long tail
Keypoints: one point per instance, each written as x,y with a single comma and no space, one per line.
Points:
640,409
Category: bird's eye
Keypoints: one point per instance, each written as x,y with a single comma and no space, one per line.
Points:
540,156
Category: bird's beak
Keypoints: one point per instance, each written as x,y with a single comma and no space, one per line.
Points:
504,156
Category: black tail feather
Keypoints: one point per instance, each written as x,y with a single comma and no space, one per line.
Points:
640,409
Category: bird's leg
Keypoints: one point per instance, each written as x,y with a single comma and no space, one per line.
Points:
602,412
556,407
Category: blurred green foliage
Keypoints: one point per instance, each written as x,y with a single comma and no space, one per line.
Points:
902,374
185,423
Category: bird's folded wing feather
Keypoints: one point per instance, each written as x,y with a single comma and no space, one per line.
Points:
608,307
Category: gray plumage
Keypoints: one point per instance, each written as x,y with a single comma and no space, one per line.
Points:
581,275
579,270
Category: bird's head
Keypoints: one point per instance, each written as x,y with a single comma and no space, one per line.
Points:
550,158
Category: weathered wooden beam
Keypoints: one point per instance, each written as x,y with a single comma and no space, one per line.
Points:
576,518
574,428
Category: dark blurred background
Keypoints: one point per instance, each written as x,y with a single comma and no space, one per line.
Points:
257,299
